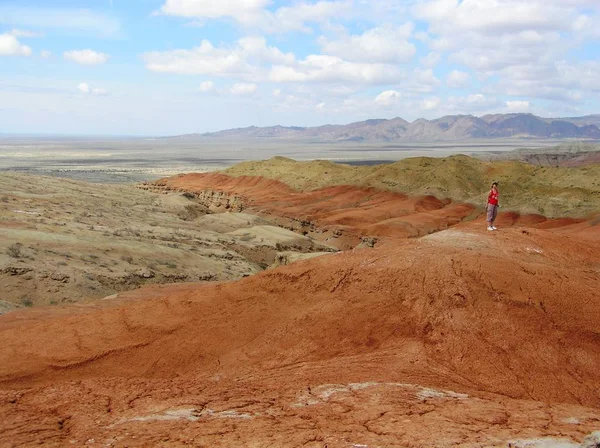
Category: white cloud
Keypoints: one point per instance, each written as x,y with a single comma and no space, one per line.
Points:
201,60
385,45
85,88
421,81
476,98
323,97
416,106
457,79
430,103
207,86
388,98
341,90
472,103
24,33
294,18
244,89
492,16
331,69
351,104
66,20
518,106
244,11
587,26
86,57
514,43
492,53
257,49
294,102
581,75
46,54
254,13
556,90
10,46
251,59
247,57
431,59
565,81
422,36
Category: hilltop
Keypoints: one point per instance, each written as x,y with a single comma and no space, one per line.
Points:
550,191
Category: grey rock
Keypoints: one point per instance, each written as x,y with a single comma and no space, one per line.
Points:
144,273
592,440
59,277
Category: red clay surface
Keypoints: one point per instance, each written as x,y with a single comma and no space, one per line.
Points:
356,212
352,211
461,338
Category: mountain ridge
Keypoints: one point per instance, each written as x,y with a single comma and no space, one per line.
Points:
449,127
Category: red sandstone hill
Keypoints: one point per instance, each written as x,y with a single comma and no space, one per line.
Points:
342,215
461,338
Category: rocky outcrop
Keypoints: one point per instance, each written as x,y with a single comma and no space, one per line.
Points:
339,215
212,200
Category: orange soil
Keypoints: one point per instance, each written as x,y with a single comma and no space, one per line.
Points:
357,212
353,211
461,338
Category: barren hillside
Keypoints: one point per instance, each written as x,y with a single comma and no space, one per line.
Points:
64,241
460,338
427,331
550,191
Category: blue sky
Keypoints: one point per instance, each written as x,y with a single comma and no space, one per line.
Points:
165,67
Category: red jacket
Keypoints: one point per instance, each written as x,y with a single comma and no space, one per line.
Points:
493,197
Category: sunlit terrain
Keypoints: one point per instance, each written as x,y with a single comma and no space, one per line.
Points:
127,160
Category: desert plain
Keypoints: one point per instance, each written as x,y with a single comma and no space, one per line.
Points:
284,303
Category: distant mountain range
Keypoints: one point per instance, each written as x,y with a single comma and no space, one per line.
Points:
451,127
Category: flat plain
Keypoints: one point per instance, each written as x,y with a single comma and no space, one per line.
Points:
130,160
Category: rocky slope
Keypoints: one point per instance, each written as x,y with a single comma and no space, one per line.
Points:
64,241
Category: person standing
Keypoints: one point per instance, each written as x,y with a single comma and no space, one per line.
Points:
492,207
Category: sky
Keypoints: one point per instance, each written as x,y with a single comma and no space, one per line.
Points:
169,67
